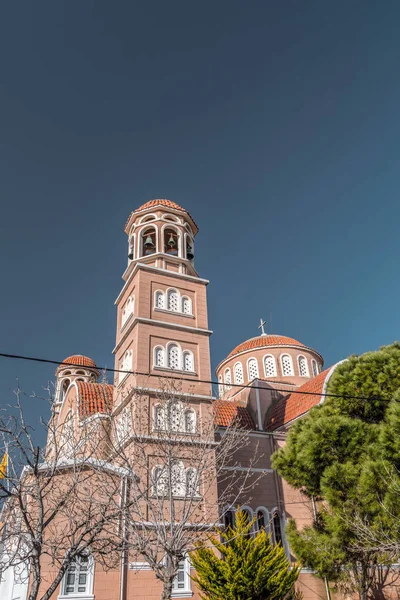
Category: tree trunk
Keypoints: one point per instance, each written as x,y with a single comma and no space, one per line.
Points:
36,579
364,582
167,590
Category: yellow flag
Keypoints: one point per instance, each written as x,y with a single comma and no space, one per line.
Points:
3,466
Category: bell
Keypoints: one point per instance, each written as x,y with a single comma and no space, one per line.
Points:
171,241
130,255
149,242
189,252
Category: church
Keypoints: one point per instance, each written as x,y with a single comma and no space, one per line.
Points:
266,383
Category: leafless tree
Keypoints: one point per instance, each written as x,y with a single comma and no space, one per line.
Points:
54,506
142,485
188,475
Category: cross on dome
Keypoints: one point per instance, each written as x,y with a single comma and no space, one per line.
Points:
261,326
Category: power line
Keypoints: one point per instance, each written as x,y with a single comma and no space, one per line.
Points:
159,376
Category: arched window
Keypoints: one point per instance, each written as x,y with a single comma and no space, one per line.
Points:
262,519
186,306
159,356
173,300
191,482
190,421
227,379
276,526
127,311
78,579
188,363
269,366
238,373
160,481
303,366
314,367
159,299
175,416
220,386
149,245
189,248
252,369
159,417
64,386
123,424
178,479
67,438
229,519
287,365
171,242
125,365
173,357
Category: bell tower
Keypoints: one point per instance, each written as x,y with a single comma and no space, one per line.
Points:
162,323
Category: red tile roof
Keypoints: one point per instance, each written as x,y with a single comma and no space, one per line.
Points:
161,202
226,412
296,404
77,360
265,340
94,398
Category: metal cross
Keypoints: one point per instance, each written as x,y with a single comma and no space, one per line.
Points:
261,326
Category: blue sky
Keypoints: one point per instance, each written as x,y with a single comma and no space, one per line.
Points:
274,123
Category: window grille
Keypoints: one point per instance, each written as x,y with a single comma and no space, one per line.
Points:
238,373
186,306
287,367
173,301
228,379
269,366
188,361
252,369
303,368
159,302
159,357
173,357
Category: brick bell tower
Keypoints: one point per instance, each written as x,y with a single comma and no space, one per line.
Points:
162,324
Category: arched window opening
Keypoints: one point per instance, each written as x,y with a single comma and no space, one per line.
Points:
191,482
173,357
64,386
238,373
303,366
80,373
159,357
314,367
78,579
220,387
190,421
188,364
252,369
148,242
276,525
159,417
186,306
171,242
178,480
160,481
189,248
173,300
287,366
175,416
131,248
228,379
269,366
148,219
261,520
229,519
159,301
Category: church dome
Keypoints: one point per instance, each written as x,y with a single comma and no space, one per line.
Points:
78,360
262,341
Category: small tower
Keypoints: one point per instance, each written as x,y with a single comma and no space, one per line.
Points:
74,368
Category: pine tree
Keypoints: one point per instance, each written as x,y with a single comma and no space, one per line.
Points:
342,454
243,567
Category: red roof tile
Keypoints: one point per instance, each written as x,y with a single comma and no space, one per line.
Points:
78,360
226,412
296,404
94,398
265,340
161,202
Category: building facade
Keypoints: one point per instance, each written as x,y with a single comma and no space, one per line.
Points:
162,333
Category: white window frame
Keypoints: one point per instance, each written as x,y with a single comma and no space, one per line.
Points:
189,301
190,354
186,591
159,294
179,367
169,293
248,369
173,227
275,374
314,367
146,227
291,374
88,594
307,372
267,518
227,379
235,378
156,349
